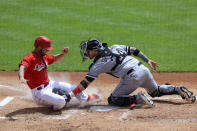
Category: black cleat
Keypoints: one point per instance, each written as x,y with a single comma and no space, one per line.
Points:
186,94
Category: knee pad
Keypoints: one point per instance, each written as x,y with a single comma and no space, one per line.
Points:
115,101
121,100
109,99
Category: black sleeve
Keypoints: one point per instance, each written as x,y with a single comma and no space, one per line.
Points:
128,50
90,79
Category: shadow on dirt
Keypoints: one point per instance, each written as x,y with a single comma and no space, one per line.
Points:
169,102
33,110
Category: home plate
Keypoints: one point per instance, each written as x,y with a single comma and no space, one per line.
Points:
103,108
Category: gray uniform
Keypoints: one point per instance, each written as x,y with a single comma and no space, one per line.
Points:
132,73
140,76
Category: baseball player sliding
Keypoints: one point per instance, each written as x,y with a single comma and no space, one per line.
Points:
33,71
117,61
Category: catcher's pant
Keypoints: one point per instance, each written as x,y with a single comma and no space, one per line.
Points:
141,77
45,96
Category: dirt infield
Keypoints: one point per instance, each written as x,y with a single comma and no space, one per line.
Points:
19,112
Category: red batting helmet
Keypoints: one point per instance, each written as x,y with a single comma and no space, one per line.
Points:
43,42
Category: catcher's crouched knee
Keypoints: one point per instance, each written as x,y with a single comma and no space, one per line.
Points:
114,101
109,100
121,101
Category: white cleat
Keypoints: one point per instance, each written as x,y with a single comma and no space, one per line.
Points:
142,99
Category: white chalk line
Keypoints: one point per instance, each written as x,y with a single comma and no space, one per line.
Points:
6,100
11,88
12,118
164,119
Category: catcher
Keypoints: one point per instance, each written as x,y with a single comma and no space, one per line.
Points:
117,61
33,71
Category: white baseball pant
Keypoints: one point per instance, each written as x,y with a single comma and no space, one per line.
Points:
45,96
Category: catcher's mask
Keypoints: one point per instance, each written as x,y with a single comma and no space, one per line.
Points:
92,44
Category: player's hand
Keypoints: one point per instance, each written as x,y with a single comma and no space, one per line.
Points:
153,65
22,81
65,50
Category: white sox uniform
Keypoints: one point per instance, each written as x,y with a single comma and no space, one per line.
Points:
116,60
132,72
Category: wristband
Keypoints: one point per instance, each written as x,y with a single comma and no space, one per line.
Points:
76,91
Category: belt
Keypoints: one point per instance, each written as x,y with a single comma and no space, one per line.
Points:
131,70
41,87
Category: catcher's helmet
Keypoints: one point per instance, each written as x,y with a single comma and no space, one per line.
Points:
92,44
43,42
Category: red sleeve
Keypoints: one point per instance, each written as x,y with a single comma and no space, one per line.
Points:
25,62
50,59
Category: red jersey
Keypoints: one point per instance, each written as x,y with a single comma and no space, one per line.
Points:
36,68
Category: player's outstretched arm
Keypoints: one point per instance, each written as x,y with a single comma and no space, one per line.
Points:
78,89
60,56
21,73
82,86
138,53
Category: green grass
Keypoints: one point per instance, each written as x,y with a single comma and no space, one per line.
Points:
164,30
